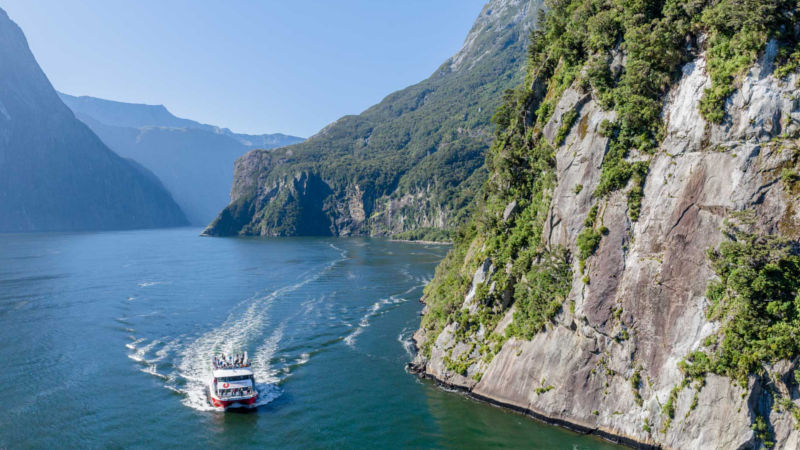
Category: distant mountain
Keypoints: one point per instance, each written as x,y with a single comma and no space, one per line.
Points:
409,165
134,115
55,173
193,160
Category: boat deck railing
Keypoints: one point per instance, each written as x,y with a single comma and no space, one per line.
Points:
231,362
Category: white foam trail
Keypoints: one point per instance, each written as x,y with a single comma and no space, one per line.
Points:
163,352
143,351
350,340
406,273
404,338
304,357
174,389
266,393
286,371
233,336
152,370
139,354
132,345
264,354
311,307
193,368
375,310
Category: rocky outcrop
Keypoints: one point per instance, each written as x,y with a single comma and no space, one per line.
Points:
608,361
55,174
412,161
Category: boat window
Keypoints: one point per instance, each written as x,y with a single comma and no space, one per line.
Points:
236,378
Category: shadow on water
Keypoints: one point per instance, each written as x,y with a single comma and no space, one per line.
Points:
463,421
244,411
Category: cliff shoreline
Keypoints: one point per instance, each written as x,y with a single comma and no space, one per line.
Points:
413,241
602,337
537,415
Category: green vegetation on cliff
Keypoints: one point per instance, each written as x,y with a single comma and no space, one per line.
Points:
737,31
424,234
412,161
757,301
627,55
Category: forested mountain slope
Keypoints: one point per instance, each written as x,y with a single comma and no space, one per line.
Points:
633,265
411,163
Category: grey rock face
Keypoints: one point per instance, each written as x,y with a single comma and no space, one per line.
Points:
55,174
509,210
654,272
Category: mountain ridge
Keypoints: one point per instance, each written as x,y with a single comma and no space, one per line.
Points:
193,160
55,174
141,115
410,163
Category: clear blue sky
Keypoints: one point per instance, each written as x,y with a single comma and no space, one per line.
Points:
253,66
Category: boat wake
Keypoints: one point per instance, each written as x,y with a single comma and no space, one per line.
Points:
146,284
405,338
378,308
185,365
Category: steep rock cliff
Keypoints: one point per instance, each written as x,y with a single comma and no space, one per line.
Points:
413,161
55,174
596,307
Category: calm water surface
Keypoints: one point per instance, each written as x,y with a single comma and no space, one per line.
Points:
106,339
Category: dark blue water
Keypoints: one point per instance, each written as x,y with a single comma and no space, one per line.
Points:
106,339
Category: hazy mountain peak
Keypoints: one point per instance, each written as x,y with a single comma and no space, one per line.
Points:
194,160
123,114
55,174
139,115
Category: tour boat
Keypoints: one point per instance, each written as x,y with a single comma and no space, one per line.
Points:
232,384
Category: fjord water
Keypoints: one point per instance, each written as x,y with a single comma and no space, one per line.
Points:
106,339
